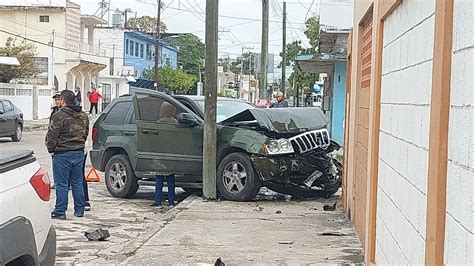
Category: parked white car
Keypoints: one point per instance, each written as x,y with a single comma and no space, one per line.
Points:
26,234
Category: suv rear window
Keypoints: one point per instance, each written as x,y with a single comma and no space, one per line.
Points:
117,113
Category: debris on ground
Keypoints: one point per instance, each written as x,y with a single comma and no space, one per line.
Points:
259,209
329,207
219,262
97,234
331,234
285,242
278,212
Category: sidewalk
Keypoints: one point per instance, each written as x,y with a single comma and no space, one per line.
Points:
275,232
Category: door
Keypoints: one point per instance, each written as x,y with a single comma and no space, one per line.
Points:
7,119
164,145
362,132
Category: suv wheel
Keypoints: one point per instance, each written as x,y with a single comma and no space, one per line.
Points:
18,133
236,178
120,179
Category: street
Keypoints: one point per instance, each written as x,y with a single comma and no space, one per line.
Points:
272,229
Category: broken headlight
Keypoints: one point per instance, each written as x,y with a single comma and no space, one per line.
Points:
279,146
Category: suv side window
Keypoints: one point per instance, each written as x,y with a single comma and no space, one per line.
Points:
117,113
154,109
1,106
7,106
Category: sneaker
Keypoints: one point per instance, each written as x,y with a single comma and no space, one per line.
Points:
171,206
87,207
158,206
79,214
58,216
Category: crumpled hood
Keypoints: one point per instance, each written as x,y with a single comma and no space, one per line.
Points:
74,111
282,120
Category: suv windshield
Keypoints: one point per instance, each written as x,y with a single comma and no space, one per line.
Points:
227,108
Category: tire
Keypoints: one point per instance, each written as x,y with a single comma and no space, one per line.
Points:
18,133
234,169
120,179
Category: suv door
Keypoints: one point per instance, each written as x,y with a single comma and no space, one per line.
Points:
164,145
7,119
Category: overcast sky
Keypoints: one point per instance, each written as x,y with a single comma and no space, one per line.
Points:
245,28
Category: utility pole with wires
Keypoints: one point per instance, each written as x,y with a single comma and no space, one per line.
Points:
283,63
157,45
209,171
264,55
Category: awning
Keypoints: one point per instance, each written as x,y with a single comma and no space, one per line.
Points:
317,63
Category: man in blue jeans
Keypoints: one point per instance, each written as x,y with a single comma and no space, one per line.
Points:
65,140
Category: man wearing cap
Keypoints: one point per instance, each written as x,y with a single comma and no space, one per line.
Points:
65,140
57,104
281,102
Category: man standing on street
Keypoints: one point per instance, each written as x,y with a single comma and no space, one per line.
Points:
281,102
94,97
65,140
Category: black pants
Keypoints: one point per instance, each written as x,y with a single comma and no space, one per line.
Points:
93,105
84,182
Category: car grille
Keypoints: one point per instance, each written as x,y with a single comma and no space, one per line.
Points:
311,140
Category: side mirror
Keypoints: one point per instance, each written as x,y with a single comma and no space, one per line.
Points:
187,119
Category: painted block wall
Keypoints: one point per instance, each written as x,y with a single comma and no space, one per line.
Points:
404,133
339,102
459,238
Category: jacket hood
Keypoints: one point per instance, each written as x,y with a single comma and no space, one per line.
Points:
74,111
281,120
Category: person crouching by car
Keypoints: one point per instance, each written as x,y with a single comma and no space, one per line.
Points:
167,113
65,140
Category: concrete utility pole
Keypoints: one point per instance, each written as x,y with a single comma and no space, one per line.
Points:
283,63
210,92
157,44
264,56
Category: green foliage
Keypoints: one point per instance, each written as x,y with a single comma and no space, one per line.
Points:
174,79
145,24
312,33
303,81
25,54
191,52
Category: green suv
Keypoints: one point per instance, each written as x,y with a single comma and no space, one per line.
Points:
287,149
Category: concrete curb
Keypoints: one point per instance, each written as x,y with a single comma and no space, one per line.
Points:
31,128
131,248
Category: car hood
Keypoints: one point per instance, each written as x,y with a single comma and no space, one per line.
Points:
281,120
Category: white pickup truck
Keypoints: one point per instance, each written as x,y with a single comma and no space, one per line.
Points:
26,234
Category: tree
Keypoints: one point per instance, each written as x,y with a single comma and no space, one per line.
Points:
303,81
234,65
173,79
312,33
191,52
145,24
25,54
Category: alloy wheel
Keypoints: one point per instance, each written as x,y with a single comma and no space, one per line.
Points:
235,177
117,176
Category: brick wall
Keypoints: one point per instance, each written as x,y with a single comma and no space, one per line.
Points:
459,241
404,133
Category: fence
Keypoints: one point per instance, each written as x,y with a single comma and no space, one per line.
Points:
34,100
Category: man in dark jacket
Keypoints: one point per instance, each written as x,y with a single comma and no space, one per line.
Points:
281,102
57,104
65,140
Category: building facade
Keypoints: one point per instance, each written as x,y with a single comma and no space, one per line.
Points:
64,41
408,171
139,51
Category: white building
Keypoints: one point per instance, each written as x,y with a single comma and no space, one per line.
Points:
113,78
64,40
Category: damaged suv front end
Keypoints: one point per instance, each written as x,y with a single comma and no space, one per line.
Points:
295,156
